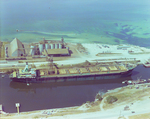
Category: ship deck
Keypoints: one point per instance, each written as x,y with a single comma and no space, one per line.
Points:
82,74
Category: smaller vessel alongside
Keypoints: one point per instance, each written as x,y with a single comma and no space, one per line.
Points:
3,76
133,82
147,64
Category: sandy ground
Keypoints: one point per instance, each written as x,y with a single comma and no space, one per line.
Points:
136,106
91,52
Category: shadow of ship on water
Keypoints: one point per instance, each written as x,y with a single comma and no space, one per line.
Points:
31,87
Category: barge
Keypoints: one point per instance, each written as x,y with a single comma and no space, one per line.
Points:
53,73
147,64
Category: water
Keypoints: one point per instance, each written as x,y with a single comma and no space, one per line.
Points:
58,95
112,22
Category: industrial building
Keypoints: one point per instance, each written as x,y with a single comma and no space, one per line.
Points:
44,48
56,52
14,49
55,48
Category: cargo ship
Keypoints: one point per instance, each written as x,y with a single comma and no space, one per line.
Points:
52,73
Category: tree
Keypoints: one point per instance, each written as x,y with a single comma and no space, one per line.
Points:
111,99
99,97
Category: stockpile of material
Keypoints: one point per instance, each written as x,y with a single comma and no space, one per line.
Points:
83,70
113,68
103,69
93,69
62,71
73,71
123,68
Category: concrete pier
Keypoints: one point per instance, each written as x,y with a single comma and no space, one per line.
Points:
1,108
17,105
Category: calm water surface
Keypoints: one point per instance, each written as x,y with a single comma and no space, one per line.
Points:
57,95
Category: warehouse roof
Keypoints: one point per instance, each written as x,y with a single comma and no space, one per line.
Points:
57,51
15,45
83,70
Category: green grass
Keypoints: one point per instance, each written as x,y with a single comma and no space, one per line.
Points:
127,95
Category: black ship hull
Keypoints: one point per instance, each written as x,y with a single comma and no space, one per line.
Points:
72,77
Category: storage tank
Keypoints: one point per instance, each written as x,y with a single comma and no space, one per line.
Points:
41,48
62,39
6,51
47,46
60,46
52,46
33,50
56,46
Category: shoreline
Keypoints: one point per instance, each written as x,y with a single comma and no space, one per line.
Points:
103,108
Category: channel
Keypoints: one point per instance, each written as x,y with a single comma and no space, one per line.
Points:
38,96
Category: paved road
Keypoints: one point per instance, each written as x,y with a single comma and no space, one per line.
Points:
91,57
109,114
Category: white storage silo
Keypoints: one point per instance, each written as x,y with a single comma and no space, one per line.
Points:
6,51
56,46
47,46
33,50
52,46
60,46
41,48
